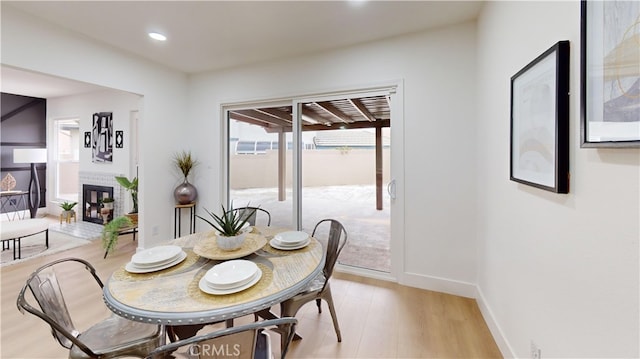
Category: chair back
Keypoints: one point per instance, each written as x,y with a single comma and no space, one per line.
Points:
251,213
46,290
336,240
240,342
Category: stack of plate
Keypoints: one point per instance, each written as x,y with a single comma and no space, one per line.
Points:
290,240
155,259
230,277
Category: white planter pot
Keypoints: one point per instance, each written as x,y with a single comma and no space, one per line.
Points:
230,243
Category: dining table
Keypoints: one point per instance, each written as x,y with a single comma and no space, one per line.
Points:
175,297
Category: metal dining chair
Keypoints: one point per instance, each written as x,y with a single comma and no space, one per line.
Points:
319,288
240,342
252,213
113,337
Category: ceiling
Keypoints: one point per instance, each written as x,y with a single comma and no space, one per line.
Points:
215,35
212,35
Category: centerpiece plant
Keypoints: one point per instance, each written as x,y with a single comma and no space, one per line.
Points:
229,226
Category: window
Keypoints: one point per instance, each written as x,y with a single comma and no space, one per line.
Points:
67,159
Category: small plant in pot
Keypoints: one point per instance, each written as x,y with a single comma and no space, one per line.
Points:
230,226
67,210
68,206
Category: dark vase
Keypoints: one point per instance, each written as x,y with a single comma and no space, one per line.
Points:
185,193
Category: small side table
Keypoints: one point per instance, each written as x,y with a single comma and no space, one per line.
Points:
177,229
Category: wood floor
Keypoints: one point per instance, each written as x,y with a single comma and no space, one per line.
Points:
378,319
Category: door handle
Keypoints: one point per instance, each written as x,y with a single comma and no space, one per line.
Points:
391,189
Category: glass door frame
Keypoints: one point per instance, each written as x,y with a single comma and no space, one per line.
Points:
395,91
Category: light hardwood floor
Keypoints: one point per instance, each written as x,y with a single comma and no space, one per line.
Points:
378,319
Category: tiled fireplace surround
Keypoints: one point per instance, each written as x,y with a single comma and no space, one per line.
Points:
107,180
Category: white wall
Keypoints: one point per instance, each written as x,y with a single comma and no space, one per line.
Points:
438,72
559,270
31,44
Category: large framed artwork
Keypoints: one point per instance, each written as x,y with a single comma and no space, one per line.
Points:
540,121
610,74
102,137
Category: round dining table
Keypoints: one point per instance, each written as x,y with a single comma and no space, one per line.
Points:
172,296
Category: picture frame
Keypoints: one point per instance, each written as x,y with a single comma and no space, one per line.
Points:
102,137
119,139
540,121
87,139
609,74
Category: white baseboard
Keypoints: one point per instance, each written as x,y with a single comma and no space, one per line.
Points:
496,331
443,285
460,288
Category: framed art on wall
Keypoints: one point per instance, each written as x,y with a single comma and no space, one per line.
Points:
102,145
119,139
610,74
540,121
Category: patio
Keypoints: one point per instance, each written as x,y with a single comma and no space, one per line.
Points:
354,206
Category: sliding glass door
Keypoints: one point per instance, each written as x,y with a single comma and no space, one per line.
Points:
315,158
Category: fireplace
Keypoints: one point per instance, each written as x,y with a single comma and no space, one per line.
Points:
91,199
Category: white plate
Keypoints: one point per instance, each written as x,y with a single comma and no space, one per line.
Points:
274,243
231,274
132,268
291,238
207,289
155,256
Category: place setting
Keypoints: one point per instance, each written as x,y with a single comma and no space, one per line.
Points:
230,277
155,259
290,240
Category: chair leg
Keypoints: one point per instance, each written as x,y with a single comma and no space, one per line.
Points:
319,304
329,299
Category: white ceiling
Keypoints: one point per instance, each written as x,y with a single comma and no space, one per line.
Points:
213,35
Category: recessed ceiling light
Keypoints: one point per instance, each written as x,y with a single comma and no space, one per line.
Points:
157,36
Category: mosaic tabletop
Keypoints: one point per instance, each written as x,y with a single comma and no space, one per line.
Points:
172,296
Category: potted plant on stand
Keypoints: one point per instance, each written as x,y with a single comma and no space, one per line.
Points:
131,186
67,211
230,227
185,193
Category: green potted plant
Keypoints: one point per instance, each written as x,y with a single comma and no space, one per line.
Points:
230,225
67,211
111,231
68,206
131,186
107,202
185,193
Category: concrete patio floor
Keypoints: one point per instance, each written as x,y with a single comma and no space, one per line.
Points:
354,206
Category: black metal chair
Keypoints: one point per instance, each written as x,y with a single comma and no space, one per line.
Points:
243,341
113,337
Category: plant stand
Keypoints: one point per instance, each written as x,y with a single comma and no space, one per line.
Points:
67,215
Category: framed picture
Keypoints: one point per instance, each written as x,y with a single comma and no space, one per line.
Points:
119,139
540,121
102,137
610,74
87,139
